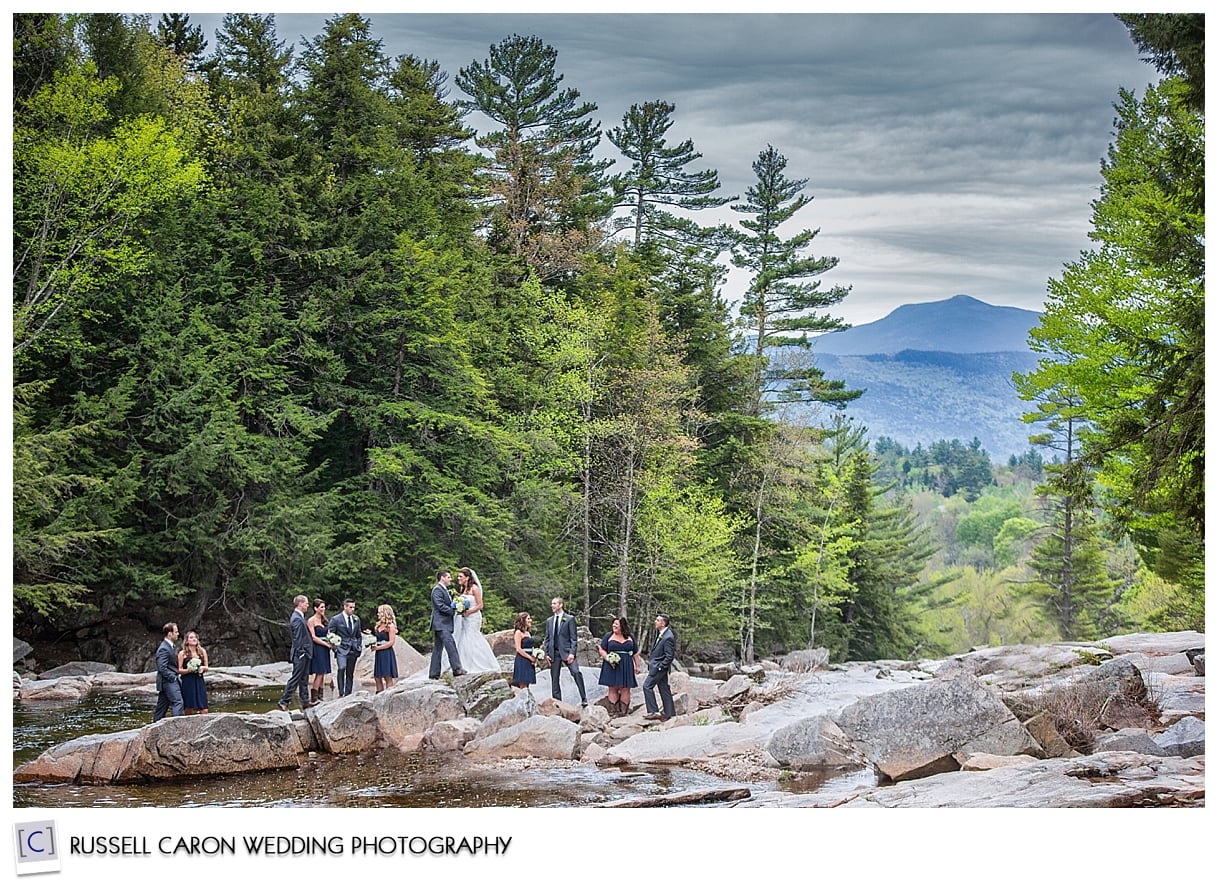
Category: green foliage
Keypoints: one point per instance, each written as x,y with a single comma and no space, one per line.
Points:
779,307
1123,335
279,329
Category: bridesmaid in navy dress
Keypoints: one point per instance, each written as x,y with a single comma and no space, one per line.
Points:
524,671
385,666
620,677
194,690
321,650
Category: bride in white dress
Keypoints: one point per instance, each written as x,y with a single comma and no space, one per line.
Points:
474,649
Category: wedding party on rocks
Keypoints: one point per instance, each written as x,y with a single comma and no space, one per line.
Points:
522,409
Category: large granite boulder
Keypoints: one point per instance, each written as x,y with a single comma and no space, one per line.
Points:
91,759
482,692
814,743
175,747
925,729
508,714
59,689
346,725
1185,738
76,669
410,660
538,736
217,744
409,709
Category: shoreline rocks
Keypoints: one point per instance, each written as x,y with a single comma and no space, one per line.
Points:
983,728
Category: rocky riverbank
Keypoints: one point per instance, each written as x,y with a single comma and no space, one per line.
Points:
1117,722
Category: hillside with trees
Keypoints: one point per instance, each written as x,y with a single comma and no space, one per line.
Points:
284,323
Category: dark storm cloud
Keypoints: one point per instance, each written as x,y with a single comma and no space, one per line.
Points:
946,153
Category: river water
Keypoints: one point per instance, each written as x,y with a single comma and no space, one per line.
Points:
381,778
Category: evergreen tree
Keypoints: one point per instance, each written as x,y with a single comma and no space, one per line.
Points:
547,185
778,306
658,179
175,32
1123,336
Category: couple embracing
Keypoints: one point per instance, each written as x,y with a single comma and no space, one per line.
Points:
456,625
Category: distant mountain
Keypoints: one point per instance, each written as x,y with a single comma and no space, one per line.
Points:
959,324
937,371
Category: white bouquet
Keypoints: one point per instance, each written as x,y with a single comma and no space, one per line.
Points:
334,640
539,655
613,658
194,664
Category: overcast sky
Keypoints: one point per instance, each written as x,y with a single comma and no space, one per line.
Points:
946,154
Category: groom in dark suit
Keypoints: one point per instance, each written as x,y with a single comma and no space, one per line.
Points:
442,612
561,644
659,663
346,626
302,655
168,683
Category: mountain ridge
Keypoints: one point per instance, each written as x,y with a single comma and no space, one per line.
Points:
937,371
957,324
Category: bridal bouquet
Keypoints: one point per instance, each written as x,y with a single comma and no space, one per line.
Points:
194,664
461,603
334,640
613,658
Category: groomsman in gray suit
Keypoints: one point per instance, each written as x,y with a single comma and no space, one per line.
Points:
302,655
561,644
168,683
442,612
659,663
346,626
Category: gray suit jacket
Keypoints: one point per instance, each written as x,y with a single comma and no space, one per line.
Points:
662,653
441,609
302,642
166,665
561,639
352,641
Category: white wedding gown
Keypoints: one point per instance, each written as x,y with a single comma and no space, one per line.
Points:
474,649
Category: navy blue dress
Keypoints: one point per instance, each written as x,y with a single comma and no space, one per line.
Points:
321,655
623,674
194,690
386,662
524,671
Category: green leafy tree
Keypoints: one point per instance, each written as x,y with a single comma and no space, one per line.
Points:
82,197
1123,336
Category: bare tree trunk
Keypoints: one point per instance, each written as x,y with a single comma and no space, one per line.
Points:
747,645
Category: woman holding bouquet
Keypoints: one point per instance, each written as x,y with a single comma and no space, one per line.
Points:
192,662
524,671
320,666
473,648
619,666
385,664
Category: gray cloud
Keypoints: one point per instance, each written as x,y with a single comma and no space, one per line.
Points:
946,153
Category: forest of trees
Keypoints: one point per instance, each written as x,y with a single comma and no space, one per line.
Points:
284,323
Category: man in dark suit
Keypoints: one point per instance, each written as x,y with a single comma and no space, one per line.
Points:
346,626
302,655
168,683
659,663
442,612
561,644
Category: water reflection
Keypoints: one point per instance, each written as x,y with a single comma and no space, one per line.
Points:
375,778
